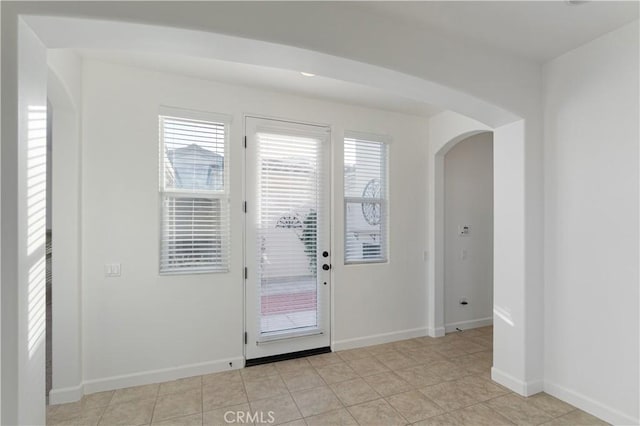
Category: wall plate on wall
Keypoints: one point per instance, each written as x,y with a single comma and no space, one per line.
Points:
112,270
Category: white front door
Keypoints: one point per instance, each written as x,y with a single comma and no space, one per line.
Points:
287,247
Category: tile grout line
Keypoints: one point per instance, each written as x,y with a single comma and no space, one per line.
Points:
397,411
244,388
327,385
292,398
361,377
202,400
106,407
526,398
153,412
344,406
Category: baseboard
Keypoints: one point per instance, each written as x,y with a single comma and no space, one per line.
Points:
64,395
377,339
163,375
468,325
435,332
608,414
518,386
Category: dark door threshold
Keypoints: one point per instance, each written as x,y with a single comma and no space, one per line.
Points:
284,357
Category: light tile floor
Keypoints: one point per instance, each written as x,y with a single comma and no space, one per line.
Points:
420,381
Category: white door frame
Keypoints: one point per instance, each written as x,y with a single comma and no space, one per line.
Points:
276,345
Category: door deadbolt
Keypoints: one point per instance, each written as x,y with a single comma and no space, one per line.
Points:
325,254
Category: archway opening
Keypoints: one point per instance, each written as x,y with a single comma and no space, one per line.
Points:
468,235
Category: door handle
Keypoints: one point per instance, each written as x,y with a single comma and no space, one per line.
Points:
326,267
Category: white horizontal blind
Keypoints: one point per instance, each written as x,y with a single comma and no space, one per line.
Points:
289,215
365,200
194,190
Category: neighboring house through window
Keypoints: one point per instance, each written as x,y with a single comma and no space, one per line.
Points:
194,191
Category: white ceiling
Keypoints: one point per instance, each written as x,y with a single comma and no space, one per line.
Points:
369,31
274,79
535,30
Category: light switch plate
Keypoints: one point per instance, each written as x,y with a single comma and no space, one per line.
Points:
112,270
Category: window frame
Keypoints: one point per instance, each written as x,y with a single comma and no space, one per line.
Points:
385,141
222,195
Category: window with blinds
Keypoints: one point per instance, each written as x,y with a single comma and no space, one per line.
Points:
194,193
365,199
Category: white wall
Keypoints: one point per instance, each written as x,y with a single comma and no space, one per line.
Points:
1,364
23,229
591,226
64,92
517,352
468,200
49,156
517,290
174,325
